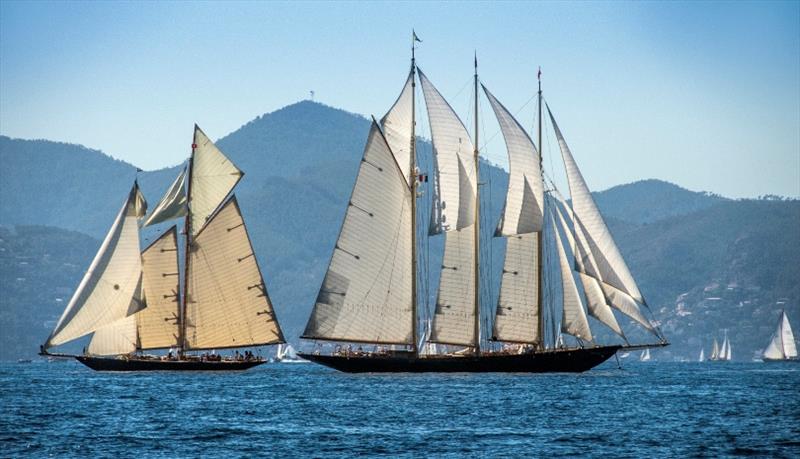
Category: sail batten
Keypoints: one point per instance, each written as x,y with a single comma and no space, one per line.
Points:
108,288
366,295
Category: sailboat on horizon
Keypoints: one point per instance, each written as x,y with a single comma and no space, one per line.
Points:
724,353
133,300
782,346
366,315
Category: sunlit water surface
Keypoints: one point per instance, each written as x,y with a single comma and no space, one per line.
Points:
289,410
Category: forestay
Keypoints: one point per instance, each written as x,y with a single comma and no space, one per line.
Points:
212,177
454,317
366,295
106,292
172,204
158,323
227,303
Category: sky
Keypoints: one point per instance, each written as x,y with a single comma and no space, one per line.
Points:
705,95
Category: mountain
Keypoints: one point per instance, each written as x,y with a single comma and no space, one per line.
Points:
300,163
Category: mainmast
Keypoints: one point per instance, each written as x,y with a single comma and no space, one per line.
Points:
412,174
477,223
187,228
539,237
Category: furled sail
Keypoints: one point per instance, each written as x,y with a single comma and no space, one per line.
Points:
366,295
158,323
212,177
454,317
172,204
593,292
117,338
398,129
573,320
227,303
609,260
108,289
517,317
525,197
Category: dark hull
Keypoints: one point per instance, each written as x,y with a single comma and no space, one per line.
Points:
560,361
779,360
115,364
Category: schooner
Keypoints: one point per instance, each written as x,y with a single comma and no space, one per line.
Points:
368,304
133,301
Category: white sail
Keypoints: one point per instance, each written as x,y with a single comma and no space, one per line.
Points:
645,357
117,338
609,260
172,204
454,154
227,303
454,317
702,357
158,322
573,319
212,177
525,196
107,291
517,308
366,295
398,129
724,353
789,346
714,351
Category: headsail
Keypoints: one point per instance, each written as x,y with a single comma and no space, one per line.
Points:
789,346
212,177
573,319
227,303
116,338
108,290
366,295
454,318
172,204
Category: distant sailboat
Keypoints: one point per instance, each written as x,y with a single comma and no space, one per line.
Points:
724,353
287,354
714,351
132,300
645,357
702,357
782,346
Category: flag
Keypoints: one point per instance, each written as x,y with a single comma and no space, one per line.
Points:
415,37
539,75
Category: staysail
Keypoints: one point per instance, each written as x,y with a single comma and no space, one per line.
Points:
108,290
227,303
454,317
573,320
157,324
172,204
366,295
117,338
397,127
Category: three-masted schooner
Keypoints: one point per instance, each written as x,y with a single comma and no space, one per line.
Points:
782,346
368,301
133,301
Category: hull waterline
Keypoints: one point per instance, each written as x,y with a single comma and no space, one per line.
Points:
557,361
115,364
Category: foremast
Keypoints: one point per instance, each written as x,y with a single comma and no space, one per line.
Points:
539,238
187,229
477,232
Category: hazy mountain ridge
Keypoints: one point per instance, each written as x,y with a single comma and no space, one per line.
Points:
300,163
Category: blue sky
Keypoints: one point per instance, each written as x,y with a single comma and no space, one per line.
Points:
706,95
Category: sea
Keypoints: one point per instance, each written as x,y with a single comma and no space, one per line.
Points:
713,409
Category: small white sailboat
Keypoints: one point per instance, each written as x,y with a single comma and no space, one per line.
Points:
714,351
287,354
782,346
702,357
645,357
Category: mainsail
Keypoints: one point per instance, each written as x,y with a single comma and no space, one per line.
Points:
366,295
454,317
109,289
227,303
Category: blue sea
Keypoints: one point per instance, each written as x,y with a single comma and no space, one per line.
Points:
304,410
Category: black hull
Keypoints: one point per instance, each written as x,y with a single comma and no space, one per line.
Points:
558,361
766,360
115,364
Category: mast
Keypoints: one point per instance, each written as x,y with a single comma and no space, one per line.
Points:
539,234
412,174
187,228
477,223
